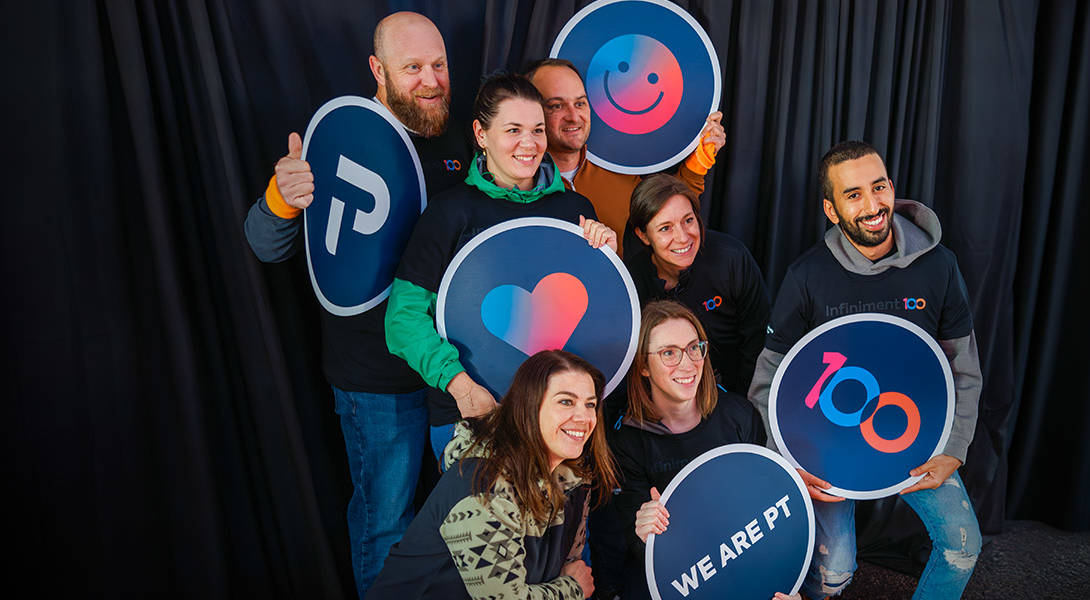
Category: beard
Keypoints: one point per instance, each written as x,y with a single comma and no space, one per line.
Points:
861,236
428,122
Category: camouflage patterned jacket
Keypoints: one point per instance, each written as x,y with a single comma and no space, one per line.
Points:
465,545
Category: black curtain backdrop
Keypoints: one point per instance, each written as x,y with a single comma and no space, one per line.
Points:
169,429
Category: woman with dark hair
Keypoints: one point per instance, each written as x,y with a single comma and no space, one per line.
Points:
710,272
508,519
510,177
676,412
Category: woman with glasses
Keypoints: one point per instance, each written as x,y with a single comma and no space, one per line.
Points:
710,272
675,413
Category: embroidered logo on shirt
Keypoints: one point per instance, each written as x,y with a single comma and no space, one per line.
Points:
452,165
712,303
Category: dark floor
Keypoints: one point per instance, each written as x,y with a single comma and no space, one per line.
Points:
1028,560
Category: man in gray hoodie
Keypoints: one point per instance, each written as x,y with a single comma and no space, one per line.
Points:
883,249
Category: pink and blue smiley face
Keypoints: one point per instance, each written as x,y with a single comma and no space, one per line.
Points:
634,84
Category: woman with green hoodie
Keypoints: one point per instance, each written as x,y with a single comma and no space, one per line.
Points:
510,177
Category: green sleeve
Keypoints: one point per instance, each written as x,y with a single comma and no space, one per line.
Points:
411,334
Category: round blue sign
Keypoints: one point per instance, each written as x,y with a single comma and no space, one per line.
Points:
862,400
741,526
368,194
503,298
652,78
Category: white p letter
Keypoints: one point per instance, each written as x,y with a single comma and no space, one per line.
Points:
365,223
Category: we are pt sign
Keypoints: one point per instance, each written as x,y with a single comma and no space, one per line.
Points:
741,527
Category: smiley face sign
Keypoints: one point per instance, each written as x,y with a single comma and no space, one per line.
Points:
634,83
652,78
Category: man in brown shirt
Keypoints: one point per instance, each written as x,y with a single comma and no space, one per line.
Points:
567,126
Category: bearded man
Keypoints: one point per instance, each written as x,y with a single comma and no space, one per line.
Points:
882,248
380,400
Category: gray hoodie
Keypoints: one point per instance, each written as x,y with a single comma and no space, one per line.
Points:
916,231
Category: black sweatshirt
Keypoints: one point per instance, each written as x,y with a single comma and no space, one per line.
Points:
725,290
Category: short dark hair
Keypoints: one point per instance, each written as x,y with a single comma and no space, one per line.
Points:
652,193
497,88
844,151
549,62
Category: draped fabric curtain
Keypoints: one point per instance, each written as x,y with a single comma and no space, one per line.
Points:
169,429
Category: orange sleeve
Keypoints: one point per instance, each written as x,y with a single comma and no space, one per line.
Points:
276,202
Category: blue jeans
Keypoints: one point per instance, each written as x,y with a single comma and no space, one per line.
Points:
947,514
440,437
385,436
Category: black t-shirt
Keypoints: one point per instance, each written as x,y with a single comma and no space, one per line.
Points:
724,288
449,222
354,353
648,459
928,292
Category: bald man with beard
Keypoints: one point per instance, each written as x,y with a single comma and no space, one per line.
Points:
380,400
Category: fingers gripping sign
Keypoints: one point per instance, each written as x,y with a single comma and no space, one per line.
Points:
714,137
652,517
598,234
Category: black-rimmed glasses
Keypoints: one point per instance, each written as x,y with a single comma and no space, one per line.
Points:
671,355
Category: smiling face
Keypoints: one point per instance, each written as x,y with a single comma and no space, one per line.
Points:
677,384
567,415
634,83
411,71
514,143
673,234
862,204
567,111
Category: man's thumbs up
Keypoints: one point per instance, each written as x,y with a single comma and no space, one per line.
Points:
295,145
294,180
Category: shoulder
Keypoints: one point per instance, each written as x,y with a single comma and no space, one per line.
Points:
569,197
732,406
817,260
941,255
725,254
724,244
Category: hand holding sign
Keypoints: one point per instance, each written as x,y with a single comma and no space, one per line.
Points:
294,179
815,487
714,133
473,399
652,517
934,471
598,234
579,571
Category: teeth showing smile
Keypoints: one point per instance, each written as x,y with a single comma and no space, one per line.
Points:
875,221
685,380
578,435
683,250
525,158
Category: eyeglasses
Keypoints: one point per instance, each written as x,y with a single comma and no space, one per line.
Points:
671,355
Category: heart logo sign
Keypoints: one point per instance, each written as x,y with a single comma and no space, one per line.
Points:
543,319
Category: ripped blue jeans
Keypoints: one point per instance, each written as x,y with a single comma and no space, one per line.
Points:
947,514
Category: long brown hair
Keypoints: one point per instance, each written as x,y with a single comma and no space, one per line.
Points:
640,406
515,450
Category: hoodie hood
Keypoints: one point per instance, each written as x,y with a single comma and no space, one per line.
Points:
656,427
915,231
546,181
459,448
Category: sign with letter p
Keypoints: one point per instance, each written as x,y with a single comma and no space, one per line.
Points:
368,193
